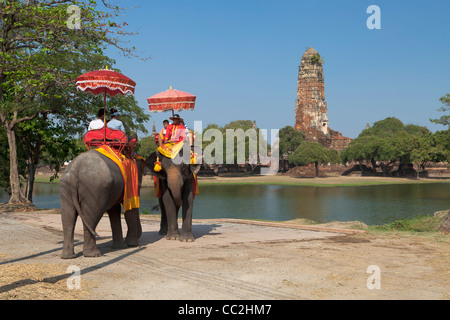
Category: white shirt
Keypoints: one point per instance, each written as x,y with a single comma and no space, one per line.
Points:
96,124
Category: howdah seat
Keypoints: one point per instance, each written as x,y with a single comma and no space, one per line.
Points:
116,139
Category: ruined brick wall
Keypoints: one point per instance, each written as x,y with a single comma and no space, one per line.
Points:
311,108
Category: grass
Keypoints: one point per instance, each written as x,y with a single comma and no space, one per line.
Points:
417,224
312,184
315,182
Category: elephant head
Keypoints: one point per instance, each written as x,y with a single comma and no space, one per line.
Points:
177,190
174,172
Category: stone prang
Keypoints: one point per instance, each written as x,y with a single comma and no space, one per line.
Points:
311,108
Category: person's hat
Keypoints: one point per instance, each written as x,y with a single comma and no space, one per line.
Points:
114,112
176,116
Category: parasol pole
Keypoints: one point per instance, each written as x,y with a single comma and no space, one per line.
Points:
173,113
104,118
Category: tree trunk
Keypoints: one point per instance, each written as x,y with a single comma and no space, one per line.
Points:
316,164
31,168
16,193
374,165
418,171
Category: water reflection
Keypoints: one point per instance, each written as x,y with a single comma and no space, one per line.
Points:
371,204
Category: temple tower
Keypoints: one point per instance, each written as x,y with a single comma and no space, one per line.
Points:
311,108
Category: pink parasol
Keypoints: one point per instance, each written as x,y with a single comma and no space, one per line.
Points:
171,99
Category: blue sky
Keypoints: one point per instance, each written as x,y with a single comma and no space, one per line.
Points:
241,58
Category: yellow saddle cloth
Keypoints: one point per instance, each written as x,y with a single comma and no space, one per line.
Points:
130,176
170,149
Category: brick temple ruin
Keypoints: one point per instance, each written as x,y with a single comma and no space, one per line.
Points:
311,107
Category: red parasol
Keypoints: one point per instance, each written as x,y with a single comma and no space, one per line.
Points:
106,81
171,99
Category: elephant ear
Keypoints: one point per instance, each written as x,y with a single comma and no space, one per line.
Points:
150,164
195,168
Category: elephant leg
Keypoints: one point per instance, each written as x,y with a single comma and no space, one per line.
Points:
163,226
68,219
90,249
134,227
92,218
186,230
116,227
172,216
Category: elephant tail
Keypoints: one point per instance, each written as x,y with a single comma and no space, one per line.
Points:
77,205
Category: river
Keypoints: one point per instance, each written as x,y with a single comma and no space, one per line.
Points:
372,205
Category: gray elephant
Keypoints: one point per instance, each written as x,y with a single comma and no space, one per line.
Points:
177,190
92,185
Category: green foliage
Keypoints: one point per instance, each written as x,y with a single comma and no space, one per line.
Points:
316,59
239,132
313,152
290,139
424,223
445,119
40,56
384,128
389,140
146,146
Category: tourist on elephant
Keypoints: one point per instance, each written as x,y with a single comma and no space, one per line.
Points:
175,132
115,123
99,122
160,137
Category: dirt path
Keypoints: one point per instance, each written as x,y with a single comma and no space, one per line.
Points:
228,260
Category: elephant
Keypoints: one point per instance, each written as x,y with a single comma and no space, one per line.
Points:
177,189
91,185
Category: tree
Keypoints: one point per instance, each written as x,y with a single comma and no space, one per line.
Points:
363,148
376,143
313,152
444,120
390,141
290,139
238,142
43,139
442,139
35,40
146,146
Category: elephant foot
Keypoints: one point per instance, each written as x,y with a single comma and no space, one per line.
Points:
187,238
132,243
163,232
173,236
67,256
92,253
120,245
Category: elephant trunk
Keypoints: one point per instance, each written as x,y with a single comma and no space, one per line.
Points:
175,184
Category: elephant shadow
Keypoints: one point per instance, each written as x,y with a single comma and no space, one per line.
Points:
198,231
150,237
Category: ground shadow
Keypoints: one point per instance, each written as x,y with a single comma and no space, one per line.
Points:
198,231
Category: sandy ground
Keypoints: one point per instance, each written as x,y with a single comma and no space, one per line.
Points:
229,260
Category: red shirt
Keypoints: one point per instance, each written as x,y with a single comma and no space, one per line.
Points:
175,132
